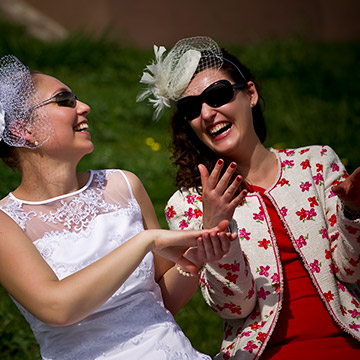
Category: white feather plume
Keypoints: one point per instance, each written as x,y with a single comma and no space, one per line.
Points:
165,81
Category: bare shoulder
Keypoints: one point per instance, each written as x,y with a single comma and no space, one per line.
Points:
135,182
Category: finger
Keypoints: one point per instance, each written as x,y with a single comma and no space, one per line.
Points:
225,239
215,174
220,227
239,198
204,175
234,186
223,183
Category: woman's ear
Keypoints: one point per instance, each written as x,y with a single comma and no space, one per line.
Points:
252,93
18,129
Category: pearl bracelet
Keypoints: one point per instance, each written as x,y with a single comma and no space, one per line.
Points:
182,272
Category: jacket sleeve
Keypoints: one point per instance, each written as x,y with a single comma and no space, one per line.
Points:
227,285
344,234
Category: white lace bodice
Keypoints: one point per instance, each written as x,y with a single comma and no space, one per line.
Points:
71,232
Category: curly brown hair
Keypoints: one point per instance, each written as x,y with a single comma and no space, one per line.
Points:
186,148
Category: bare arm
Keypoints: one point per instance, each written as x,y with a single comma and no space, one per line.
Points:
29,279
177,289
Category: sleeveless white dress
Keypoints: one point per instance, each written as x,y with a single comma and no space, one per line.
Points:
71,232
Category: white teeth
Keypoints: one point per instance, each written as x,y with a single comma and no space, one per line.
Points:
216,128
81,126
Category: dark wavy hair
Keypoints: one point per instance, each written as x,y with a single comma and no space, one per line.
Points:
186,148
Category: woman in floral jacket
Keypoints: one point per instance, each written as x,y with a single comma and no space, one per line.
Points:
288,289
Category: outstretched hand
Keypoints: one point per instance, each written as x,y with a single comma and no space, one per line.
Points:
218,197
349,191
191,248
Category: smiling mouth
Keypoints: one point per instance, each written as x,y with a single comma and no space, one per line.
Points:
80,127
219,129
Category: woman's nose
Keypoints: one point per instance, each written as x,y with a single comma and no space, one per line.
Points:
207,111
82,107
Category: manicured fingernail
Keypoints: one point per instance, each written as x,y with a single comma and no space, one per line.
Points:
220,161
233,165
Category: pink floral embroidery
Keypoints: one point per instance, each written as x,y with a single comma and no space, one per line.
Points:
191,199
354,327
324,233
354,313
251,293
283,211
189,214
250,347
306,214
335,167
288,163
262,293
264,271
318,178
315,266
183,224
301,241
243,234
275,278
245,334
259,216
303,151
323,151
305,186
233,267
170,212
310,214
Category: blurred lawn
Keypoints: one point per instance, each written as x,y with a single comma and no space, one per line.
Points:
312,97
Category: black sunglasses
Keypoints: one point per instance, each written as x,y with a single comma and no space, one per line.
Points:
215,95
65,98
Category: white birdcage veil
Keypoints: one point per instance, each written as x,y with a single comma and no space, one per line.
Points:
17,94
168,76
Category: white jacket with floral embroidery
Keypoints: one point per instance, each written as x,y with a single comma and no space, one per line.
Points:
246,286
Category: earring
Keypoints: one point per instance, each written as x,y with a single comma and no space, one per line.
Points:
36,143
252,104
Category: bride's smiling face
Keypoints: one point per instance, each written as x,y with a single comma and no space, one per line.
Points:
68,119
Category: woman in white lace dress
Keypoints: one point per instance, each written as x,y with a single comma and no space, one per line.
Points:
100,292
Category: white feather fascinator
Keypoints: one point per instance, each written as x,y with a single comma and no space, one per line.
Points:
17,95
168,76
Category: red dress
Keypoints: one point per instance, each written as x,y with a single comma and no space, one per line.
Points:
305,329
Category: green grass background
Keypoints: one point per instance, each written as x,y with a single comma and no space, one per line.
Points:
312,97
